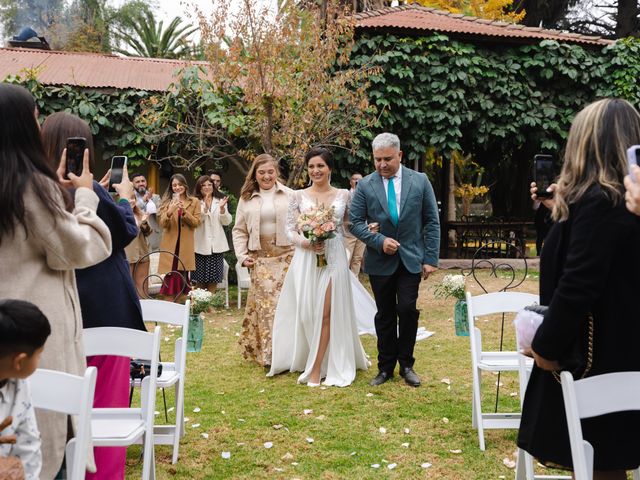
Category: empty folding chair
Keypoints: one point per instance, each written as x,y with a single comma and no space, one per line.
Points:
224,284
173,373
492,361
121,427
244,281
73,395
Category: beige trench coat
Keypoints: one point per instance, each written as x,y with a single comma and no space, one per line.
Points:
39,267
168,215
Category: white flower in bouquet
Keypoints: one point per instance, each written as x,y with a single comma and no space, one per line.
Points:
451,286
201,300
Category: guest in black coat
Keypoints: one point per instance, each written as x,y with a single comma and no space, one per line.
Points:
588,267
108,297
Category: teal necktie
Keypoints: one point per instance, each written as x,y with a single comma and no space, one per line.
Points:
391,200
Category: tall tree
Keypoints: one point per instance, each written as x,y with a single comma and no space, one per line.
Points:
142,36
37,14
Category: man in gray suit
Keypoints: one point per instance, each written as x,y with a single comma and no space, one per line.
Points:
403,251
149,203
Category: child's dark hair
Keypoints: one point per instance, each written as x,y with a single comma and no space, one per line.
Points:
23,327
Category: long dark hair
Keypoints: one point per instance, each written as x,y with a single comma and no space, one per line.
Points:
169,191
59,126
23,160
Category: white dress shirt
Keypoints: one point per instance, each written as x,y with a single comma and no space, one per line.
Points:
397,185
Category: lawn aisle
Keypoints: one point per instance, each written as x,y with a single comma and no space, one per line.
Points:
337,433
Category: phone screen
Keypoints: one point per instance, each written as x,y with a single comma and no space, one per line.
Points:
117,170
543,174
632,159
75,154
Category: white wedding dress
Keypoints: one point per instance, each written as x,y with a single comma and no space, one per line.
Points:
298,317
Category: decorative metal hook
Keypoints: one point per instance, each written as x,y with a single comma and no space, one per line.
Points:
146,281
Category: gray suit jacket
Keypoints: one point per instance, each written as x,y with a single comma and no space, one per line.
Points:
418,229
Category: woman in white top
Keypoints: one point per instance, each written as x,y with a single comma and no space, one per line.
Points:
210,239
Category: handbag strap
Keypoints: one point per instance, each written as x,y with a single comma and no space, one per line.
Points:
589,362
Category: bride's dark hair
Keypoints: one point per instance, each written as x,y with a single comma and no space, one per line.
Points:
324,153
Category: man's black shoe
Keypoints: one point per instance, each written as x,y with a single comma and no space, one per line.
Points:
380,378
410,377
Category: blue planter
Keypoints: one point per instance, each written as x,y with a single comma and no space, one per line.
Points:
196,333
460,319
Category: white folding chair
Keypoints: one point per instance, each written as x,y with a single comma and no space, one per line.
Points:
73,395
225,284
244,281
173,373
592,397
121,427
492,361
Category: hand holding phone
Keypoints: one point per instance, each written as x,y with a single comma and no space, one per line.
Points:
75,154
632,159
543,175
118,164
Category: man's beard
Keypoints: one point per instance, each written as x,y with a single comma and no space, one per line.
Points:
141,190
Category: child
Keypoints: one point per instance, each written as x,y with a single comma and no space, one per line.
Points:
23,331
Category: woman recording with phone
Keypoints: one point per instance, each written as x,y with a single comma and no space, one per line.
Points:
179,216
108,296
589,283
41,243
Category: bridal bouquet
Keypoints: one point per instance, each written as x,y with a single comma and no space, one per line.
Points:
318,225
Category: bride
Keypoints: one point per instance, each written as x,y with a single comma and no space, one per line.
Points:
315,329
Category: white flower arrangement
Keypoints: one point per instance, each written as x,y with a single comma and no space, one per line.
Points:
451,286
201,300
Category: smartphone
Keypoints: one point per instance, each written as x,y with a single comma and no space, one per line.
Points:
543,174
75,155
117,170
632,159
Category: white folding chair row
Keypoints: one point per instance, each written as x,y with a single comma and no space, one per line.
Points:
120,427
173,372
492,361
244,281
73,395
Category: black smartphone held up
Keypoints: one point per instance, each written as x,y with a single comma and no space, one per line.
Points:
75,154
117,170
543,174
632,159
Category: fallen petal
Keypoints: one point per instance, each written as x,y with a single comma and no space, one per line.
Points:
307,411
320,417
279,469
268,444
309,440
241,420
240,444
445,420
456,451
352,454
204,435
407,431
369,394
196,410
405,445
391,466
513,394
375,465
382,430
446,381
509,463
195,425
226,455
425,465
170,409
261,391
277,426
287,456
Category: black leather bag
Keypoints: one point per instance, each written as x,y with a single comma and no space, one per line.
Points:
139,369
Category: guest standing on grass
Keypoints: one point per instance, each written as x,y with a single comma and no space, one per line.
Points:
41,244
261,244
588,275
210,238
179,217
108,297
403,251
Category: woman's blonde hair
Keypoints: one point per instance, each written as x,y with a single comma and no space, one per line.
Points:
596,153
250,183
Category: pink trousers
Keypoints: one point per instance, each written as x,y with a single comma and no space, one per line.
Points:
112,391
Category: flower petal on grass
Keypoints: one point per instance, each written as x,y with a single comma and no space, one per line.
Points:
445,420
382,430
307,411
196,410
446,381
226,455
456,451
352,454
320,417
425,465
170,409
309,440
195,425
287,456
405,445
204,435
508,463
407,431
277,426
391,466
375,465
369,394
268,444
241,420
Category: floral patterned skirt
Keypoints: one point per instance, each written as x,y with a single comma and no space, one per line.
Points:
267,276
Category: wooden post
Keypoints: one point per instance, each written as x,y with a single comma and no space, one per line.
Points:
153,177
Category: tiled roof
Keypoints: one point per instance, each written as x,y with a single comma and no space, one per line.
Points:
91,70
415,18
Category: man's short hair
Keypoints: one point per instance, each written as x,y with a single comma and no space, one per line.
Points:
136,175
23,327
385,140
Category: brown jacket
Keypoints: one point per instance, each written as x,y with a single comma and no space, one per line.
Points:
38,267
168,215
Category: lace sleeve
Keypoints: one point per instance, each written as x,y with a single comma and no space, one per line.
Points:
345,217
292,222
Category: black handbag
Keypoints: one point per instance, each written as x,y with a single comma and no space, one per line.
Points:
139,369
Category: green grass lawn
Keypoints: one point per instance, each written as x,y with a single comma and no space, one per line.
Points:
339,433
